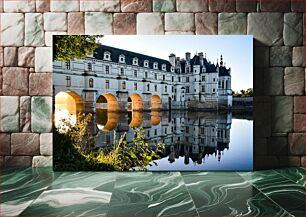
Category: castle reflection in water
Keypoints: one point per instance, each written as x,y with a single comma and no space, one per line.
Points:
193,136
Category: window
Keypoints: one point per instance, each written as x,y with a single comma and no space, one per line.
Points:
164,77
123,85
203,88
155,132
222,84
172,69
68,81
214,90
203,78
155,76
172,89
219,85
91,82
155,88
135,73
155,66
146,74
187,89
195,79
187,70
107,69
202,140
122,71
179,79
135,86
107,84
106,55
89,67
67,64
226,84
172,79
166,89
165,130
122,58
213,140
202,130
148,87
148,134
164,67
146,63
187,79
214,79
187,129
135,61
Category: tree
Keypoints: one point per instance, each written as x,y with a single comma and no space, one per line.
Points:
243,93
69,47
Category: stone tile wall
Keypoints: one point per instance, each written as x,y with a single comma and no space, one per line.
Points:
26,33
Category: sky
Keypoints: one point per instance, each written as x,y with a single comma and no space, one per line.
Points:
237,51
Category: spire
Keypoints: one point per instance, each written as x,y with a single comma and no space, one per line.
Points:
221,62
217,63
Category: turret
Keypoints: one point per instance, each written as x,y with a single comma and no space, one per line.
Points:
172,59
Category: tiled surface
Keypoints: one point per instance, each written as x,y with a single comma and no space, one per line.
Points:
42,192
27,27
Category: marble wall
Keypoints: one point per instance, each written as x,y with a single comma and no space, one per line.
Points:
25,60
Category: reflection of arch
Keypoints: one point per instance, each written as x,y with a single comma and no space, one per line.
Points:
106,121
67,105
136,120
155,118
156,102
107,101
135,102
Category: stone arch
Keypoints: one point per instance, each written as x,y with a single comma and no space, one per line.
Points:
135,102
107,101
156,102
67,105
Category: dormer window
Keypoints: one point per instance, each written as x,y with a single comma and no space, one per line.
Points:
121,59
155,65
164,67
107,55
146,63
135,61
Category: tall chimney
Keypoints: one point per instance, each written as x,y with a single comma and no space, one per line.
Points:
172,59
201,58
187,55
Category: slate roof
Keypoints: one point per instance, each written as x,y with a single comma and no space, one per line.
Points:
223,71
129,55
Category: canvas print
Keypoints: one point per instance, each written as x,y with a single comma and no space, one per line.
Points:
153,103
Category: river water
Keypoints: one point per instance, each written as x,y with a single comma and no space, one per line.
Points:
194,141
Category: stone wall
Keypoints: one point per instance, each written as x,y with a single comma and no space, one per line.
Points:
25,61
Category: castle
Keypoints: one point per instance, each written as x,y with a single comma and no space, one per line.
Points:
121,80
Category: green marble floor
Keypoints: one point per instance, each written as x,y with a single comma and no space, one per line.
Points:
42,192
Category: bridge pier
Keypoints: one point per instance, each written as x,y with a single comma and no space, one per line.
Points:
90,98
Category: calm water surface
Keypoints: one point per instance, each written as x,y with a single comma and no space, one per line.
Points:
194,141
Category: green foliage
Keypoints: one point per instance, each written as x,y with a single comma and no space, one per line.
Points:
74,150
70,47
243,93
